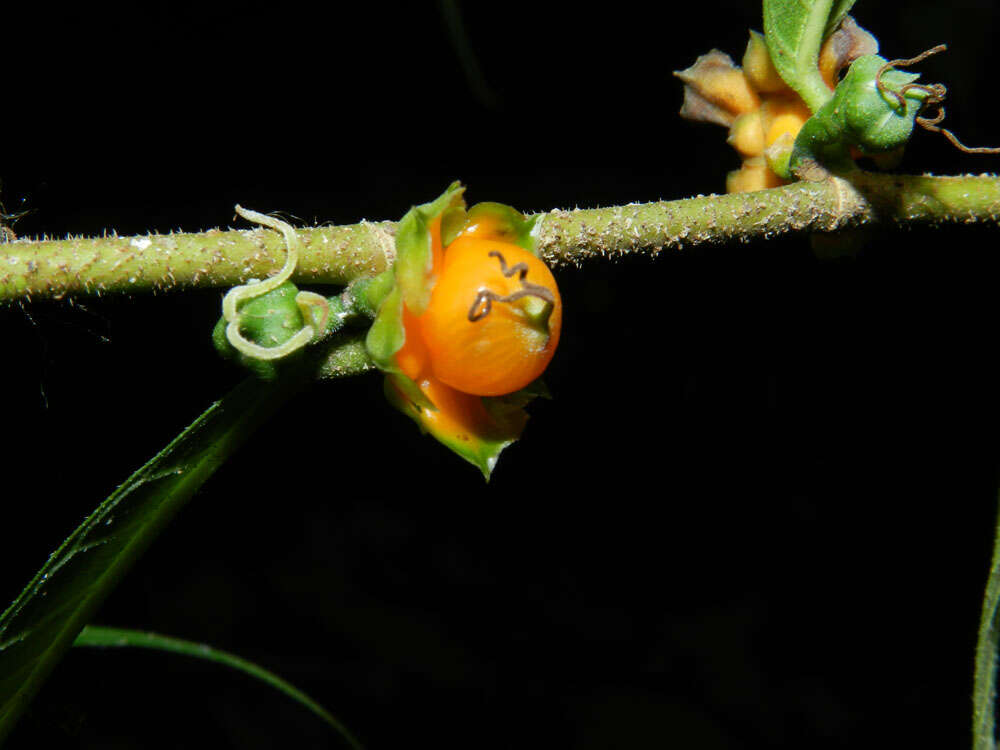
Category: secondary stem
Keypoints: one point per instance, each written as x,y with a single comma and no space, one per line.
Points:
337,255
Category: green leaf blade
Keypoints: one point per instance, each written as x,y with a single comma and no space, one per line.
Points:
41,624
99,636
794,31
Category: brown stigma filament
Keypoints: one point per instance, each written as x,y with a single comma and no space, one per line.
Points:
483,303
935,96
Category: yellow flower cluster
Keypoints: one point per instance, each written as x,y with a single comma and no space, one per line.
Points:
762,113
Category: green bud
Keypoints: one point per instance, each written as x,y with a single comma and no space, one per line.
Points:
875,118
870,110
269,320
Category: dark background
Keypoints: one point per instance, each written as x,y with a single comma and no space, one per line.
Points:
757,513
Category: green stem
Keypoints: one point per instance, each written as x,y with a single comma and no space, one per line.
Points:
337,255
343,356
984,688
800,208
103,265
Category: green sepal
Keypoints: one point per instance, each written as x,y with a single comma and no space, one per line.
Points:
535,389
504,407
507,224
369,293
269,320
482,450
408,283
414,258
453,221
412,391
387,335
511,405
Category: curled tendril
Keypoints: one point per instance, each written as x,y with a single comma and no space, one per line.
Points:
935,96
306,301
934,90
486,297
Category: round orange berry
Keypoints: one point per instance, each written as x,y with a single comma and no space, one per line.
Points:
492,324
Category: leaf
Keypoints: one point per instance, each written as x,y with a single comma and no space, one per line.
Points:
41,624
794,30
984,690
96,635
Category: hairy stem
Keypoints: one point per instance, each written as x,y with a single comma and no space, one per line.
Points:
160,262
338,255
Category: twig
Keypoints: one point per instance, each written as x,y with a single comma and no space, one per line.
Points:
337,255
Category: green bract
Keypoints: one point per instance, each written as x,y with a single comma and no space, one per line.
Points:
409,278
483,449
387,336
414,256
506,224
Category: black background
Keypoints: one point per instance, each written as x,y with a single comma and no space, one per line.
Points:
757,513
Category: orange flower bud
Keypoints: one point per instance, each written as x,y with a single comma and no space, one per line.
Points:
753,175
846,44
715,90
747,134
763,114
780,115
759,69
